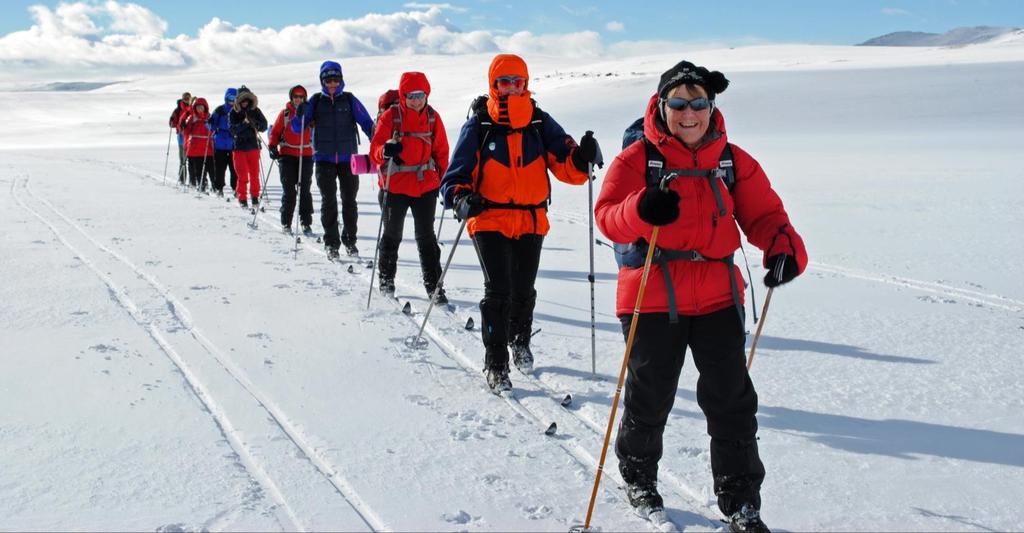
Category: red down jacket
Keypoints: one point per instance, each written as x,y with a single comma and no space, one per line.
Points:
286,140
700,287
416,150
198,137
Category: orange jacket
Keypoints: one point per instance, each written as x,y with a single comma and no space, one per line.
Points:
508,161
422,142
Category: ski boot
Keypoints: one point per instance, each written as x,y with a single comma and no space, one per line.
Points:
255,203
332,253
387,287
307,231
747,520
643,496
351,250
497,379
442,298
243,204
286,229
522,356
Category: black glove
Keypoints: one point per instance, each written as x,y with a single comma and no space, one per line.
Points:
274,154
658,207
588,152
467,204
301,110
782,269
392,149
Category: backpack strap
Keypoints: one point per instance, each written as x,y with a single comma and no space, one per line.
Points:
427,137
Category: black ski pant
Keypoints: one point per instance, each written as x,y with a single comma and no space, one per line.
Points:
724,393
328,177
182,163
423,210
200,169
510,271
222,161
288,165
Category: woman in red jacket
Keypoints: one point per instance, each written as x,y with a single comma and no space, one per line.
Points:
198,144
287,147
409,144
694,292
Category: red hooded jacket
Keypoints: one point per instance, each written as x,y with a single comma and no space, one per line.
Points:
198,137
700,287
281,134
416,150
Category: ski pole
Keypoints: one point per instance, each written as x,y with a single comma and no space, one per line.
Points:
625,359
764,314
380,228
202,170
167,156
418,341
593,321
622,373
298,185
441,223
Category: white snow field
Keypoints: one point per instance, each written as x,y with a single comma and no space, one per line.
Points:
165,367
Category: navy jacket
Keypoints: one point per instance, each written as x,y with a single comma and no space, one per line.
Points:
244,134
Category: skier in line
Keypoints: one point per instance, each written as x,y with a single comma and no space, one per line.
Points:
292,147
694,292
335,115
180,108
223,143
198,145
246,121
498,181
410,144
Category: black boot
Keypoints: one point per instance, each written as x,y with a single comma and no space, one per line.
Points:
519,342
387,286
747,520
441,299
641,486
497,379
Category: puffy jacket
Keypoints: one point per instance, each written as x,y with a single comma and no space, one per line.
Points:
700,286
512,166
220,124
193,125
289,141
334,119
181,107
245,133
416,149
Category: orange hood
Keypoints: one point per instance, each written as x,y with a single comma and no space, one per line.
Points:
514,111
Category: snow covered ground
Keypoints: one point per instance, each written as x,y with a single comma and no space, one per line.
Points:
166,367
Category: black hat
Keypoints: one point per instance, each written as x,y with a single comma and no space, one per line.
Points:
713,82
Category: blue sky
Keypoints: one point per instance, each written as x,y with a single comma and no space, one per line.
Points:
724,21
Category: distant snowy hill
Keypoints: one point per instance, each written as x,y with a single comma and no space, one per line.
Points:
954,37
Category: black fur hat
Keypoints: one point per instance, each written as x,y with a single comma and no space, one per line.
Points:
713,82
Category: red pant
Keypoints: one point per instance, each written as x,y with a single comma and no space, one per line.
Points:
247,166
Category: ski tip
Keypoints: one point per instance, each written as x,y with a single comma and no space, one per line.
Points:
469,324
567,401
407,308
351,269
551,430
369,264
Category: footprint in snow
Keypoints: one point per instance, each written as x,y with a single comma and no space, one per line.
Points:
461,517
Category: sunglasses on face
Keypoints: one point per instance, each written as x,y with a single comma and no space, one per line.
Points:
416,95
679,104
332,81
511,82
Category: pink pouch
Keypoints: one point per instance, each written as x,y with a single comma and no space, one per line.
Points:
361,164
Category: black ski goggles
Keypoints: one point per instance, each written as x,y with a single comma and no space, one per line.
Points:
679,104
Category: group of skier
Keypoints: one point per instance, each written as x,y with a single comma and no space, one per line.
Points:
677,174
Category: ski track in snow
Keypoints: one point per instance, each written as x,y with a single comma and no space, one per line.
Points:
541,412
537,400
305,497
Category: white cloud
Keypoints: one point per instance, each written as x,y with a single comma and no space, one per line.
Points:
615,26
579,12
895,11
424,5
